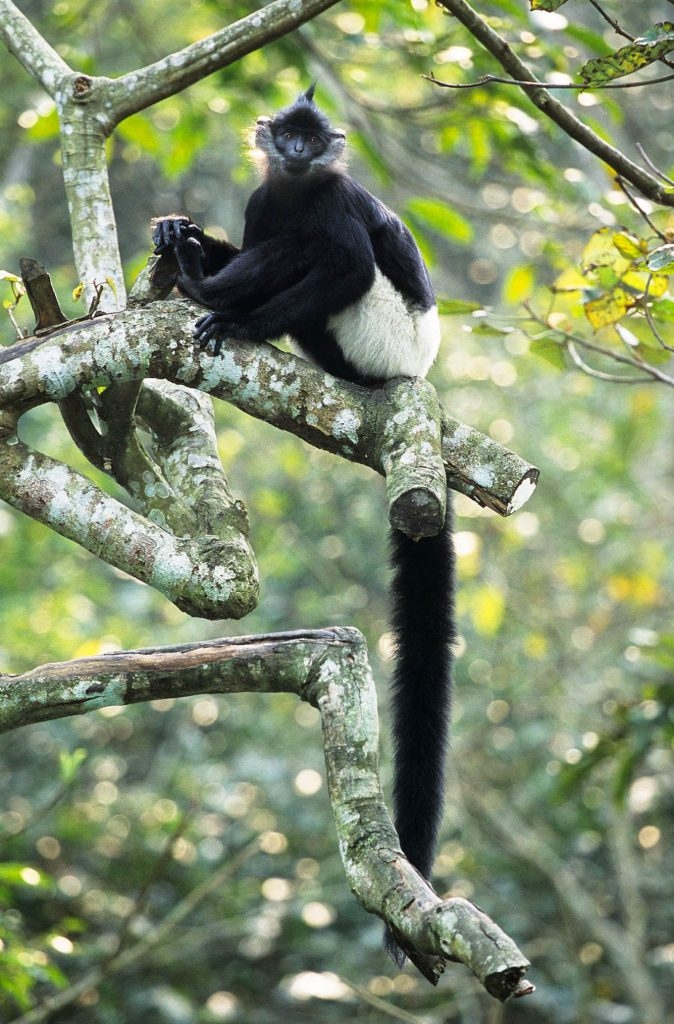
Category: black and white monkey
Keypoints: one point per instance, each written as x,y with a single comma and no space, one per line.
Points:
326,263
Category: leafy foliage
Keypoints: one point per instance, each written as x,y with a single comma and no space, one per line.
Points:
652,46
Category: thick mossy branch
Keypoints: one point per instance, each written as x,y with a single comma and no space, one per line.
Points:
411,458
212,576
329,668
361,424
185,445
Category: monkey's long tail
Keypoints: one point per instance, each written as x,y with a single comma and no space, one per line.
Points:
423,627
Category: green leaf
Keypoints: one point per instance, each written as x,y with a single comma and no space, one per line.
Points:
444,219
550,350
652,354
546,5
657,42
485,329
456,307
663,309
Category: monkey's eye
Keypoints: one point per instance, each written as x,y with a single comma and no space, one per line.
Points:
287,135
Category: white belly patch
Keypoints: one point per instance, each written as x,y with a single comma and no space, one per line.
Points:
383,337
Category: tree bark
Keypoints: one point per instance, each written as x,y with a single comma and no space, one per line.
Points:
329,669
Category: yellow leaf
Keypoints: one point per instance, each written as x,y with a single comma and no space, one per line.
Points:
570,280
609,308
627,245
77,292
601,252
519,284
635,280
111,284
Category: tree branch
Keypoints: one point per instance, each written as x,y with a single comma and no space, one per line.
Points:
329,669
140,89
342,418
31,49
552,108
212,576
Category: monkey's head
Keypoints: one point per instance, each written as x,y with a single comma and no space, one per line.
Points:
299,142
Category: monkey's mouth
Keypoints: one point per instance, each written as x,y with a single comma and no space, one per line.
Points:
296,165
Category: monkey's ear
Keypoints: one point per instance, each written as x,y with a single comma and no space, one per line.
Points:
262,137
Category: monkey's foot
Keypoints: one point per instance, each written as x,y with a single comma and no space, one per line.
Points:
210,331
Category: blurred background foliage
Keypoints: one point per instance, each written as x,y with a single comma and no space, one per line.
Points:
559,811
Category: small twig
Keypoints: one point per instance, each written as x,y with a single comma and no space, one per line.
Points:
634,203
551,108
656,170
569,340
20,333
533,84
655,331
621,31
612,378
614,24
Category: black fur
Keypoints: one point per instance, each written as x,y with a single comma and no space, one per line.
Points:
423,628
316,244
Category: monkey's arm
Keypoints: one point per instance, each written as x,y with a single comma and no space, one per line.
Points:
294,296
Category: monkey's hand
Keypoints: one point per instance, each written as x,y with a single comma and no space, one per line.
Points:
190,256
169,231
211,330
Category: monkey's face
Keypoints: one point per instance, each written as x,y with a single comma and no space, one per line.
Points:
299,145
298,148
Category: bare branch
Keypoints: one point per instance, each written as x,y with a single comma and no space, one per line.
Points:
140,89
571,342
329,669
39,59
656,170
535,83
212,576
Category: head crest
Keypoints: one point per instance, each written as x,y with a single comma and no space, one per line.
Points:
304,113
